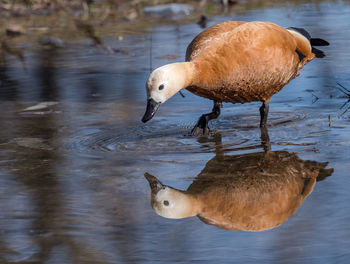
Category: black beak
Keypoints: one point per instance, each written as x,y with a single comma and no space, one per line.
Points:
152,107
154,183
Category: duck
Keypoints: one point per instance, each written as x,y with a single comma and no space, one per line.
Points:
249,192
235,62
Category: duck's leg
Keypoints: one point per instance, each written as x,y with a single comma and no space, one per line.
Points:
202,125
264,111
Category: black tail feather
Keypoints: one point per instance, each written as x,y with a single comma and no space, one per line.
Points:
318,53
318,42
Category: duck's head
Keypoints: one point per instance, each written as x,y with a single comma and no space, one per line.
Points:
169,202
163,83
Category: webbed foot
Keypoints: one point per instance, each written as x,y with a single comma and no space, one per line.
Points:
201,128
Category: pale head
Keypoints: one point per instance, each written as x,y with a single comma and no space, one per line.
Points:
163,83
169,202
172,203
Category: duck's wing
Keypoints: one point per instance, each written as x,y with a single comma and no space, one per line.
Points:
204,40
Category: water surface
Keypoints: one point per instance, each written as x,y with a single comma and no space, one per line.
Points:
72,188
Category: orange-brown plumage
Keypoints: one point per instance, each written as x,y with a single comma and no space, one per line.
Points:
260,195
252,192
235,62
241,62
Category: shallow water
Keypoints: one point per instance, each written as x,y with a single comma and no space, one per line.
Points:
72,188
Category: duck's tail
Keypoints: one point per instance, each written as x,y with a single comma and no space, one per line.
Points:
313,41
318,42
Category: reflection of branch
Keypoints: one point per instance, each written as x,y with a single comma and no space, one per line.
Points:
89,31
347,93
14,52
51,42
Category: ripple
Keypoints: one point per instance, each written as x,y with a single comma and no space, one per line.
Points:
234,132
252,119
137,139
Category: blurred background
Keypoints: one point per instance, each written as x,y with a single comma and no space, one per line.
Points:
73,150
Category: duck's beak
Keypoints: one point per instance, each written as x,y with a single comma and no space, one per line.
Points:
152,107
154,183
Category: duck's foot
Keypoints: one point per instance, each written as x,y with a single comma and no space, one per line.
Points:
201,128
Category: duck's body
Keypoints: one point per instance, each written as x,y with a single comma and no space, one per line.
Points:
256,60
235,62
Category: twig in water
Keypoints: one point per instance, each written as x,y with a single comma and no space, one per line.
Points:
347,93
315,98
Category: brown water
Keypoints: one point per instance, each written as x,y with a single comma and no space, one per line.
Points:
72,188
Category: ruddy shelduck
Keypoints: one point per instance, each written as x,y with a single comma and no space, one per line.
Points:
235,62
260,195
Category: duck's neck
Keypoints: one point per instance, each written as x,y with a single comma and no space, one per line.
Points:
184,72
196,206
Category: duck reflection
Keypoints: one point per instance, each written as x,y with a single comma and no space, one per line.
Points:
251,192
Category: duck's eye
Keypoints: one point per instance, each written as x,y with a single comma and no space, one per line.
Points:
161,87
166,203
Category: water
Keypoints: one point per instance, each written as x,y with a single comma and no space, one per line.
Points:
72,188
